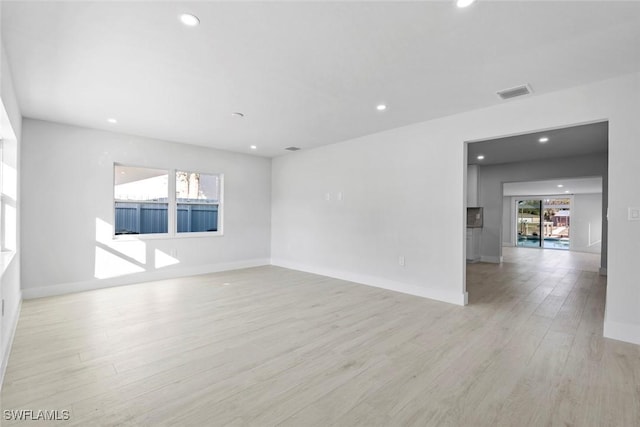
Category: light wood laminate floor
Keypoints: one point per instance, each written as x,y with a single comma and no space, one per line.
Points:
269,346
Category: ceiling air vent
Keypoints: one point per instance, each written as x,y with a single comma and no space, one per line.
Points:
292,148
515,91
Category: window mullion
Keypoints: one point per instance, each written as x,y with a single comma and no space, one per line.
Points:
173,205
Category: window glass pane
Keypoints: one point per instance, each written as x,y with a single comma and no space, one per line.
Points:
141,184
198,199
8,194
200,187
197,217
141,200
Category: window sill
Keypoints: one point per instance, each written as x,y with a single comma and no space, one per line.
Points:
138,237
5,261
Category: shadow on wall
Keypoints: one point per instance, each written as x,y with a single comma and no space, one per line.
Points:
115,258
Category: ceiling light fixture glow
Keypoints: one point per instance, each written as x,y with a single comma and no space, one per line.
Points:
113,121
464,3
560,185
566,191
543,140
381,107
253,147
480,157
189,20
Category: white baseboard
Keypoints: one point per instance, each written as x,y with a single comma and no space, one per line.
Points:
603,271
169,273
491,259
627,332
460,298
13,322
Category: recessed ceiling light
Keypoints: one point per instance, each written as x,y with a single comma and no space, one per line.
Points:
381,107
189,20
237,114
560,185
253,147
480,157
114,121
464,3
543,140
566,191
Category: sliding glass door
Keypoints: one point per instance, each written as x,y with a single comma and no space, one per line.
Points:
528,223
544,223
557,223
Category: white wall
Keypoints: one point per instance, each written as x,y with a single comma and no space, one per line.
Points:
10,129
404,195
586,223
388,210
507,221
472,185
473,234
490,192
67,182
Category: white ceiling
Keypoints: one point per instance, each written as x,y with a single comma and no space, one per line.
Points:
550,187
566,142
304,73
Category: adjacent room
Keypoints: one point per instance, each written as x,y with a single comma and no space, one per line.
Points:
317,213
544,190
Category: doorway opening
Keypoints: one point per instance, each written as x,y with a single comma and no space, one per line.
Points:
541,190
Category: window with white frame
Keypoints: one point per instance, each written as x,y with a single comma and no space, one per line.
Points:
198,200
166,202
141,200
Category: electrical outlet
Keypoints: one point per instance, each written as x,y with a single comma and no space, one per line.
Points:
634,214
327,196
401,260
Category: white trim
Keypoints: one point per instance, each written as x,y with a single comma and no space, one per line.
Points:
169,273
461,298
12,333
628,332
165,236
491,259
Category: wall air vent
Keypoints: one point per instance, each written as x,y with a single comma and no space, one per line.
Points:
515,91
292,148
